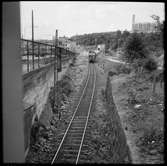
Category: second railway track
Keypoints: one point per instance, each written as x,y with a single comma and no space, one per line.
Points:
71,146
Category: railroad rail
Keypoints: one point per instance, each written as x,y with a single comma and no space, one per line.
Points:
71,145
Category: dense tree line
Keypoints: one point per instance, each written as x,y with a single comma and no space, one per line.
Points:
114,40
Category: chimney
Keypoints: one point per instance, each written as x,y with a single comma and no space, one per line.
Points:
133,22
133,19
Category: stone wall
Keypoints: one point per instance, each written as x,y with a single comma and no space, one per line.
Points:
121,148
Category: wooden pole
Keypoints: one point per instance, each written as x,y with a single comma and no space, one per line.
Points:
33,39
56,54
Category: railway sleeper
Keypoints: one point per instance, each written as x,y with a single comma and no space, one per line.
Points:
79,130
71,146
80,117
84,157
76,137
84,161
76,132
75,150
63,161
69,155
75,141
79,125
79,122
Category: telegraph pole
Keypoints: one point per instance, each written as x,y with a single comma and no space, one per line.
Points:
33,39
56,55
55,65
55,61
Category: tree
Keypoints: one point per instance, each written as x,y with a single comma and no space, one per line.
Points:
160,26
134,49
118,34
125,35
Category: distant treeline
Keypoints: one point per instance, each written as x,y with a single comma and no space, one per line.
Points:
117,39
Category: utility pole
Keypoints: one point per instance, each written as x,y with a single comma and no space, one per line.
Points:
55,65
55,70
56,55
96,43
32,39
55,60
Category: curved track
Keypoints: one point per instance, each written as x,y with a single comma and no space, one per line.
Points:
71,145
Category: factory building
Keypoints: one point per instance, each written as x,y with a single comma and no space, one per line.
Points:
145,27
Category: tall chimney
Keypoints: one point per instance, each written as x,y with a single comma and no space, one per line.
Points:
133,19
133,22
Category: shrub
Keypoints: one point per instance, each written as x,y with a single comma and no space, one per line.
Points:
134,48
150,65
64,85
121,68
132,96
111,73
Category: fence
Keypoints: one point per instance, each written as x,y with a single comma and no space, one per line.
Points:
36,55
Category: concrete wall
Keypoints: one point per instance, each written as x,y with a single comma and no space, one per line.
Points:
36,90
35,94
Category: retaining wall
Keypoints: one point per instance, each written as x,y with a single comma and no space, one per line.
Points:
120,147
36,90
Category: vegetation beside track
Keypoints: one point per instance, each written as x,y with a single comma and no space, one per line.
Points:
141,111
48,139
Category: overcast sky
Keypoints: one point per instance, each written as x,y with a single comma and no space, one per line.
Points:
71,18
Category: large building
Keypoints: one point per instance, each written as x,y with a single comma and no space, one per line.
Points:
145,27
67,43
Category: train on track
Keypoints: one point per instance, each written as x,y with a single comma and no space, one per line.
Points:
92,56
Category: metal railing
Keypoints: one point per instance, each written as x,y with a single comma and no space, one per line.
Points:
36,55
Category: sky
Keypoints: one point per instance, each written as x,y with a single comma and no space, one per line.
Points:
79,17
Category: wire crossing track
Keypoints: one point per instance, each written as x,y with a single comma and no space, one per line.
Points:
72,142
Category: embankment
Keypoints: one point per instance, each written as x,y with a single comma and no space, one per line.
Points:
120,147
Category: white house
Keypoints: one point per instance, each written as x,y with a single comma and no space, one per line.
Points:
101,48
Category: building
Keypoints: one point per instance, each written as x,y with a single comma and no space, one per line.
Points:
145,27
66,43
101,48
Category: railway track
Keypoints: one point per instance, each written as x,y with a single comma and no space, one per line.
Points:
71,148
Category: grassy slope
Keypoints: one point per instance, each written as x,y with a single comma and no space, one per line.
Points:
143,126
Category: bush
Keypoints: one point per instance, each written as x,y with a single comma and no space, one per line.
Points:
134,49
64,85
150,65
132,96
111,73
121,68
